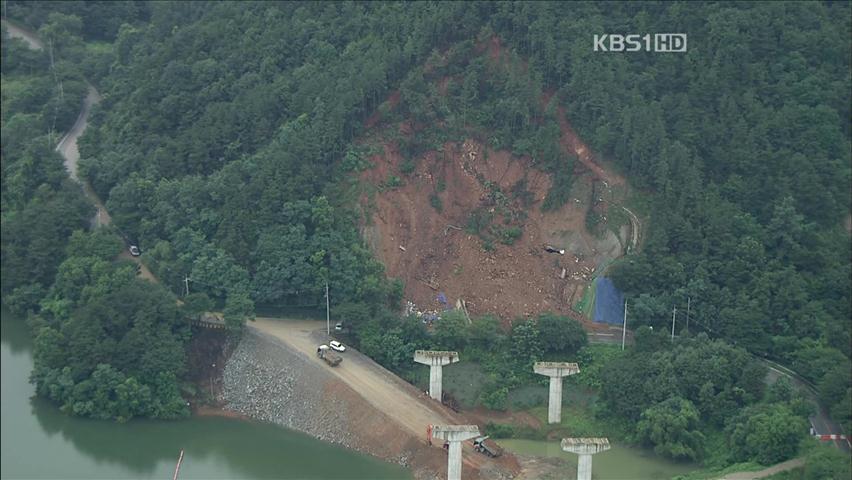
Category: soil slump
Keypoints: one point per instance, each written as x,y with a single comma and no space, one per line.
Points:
434,249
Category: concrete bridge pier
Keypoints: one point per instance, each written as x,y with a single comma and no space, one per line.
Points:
436,359
555,370
455,435
585,448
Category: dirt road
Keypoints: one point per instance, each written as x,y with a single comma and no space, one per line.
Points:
635,227
25,35
411,409
781,467
399,400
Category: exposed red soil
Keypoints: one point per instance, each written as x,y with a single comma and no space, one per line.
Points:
211,411
495,50
416,244
572,143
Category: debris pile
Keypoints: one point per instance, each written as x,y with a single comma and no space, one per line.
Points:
545,268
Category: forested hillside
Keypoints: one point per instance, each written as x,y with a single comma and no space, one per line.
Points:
226,147
745,142
107,344
40,205
234,117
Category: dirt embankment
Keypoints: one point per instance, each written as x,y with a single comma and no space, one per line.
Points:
269,382
273,376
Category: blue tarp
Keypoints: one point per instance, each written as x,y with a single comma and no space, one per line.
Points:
443,299
609,302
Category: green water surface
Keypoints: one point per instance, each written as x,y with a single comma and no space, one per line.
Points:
38,441
619,463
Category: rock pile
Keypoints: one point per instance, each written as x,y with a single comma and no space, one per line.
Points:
271,383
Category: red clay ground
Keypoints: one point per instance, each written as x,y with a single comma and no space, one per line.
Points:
417,245
414,242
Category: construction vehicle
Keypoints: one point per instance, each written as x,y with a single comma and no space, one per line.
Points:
486,447
324,352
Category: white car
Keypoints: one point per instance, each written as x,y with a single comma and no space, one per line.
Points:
335,345
134,250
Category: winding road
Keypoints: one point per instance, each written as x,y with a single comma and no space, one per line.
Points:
67,146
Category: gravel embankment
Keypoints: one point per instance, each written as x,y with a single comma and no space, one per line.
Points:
266,381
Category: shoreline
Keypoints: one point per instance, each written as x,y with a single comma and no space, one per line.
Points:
202,411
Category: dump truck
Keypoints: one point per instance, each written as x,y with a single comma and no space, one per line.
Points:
324,352
486,447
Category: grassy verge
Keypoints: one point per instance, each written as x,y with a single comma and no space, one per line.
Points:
794,474
721,472
465,381
586,304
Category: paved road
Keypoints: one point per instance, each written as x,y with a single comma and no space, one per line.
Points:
67,146
820,422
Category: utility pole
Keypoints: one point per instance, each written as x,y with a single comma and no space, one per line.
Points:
674,314
186,283
327,316
687,314
624,325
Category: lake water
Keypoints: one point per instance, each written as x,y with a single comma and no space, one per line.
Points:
38,441
619,463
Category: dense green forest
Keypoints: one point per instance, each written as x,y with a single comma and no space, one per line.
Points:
107,344
227,138
40,205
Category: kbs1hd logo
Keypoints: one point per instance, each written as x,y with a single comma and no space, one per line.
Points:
658,43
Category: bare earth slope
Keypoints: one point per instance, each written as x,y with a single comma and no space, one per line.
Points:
433,252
